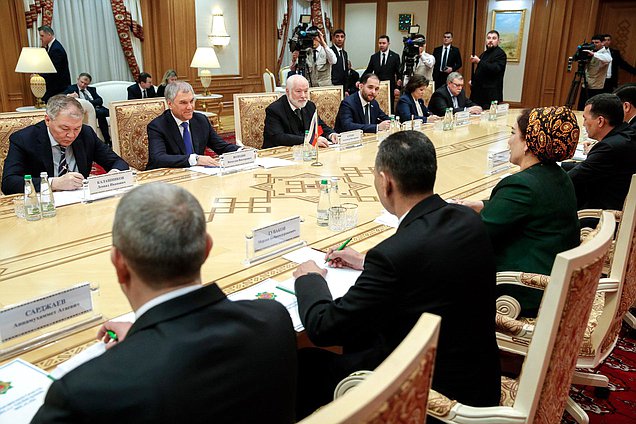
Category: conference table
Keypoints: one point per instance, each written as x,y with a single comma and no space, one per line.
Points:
52,254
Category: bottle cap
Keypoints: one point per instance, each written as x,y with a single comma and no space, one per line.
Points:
323,181
27,177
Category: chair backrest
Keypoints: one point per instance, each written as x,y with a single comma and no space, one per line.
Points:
428,92
282,75
545,379
384,96
112,91
12,122
90,117
128,121
269,81
327,100
249,117
397,388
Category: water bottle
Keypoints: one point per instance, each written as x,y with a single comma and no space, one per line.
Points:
392,125
398,127
47,201
447,124
307,148
32,210
334,195
492,116
322,212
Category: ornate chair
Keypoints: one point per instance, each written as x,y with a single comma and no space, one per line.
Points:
249,117
385,96
540,393
129,119
90,117
12,122
397,390
269,81
282,75
327,100
428,92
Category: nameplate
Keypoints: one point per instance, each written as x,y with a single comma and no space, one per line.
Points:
276,233
18,320
239,158
108,182
462,118
350,139
502,110
498,161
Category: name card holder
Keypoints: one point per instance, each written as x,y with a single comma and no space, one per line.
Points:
350,139
101,184
273,240
60,313
241,160
415,125
461,119
498,161
502,110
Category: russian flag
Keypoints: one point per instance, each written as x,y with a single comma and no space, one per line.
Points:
315,130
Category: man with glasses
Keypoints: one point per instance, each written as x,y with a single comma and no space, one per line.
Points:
448,59
452,95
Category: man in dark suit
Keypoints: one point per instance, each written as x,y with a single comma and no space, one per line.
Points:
488,79
627,94
178,137
617,62
287,119
192,355
407,274
55,83
83,91
59,145
143,89
452,94
340,70
447,59
386,65
362,111
602,180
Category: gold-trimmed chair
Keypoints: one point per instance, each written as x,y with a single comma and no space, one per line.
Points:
249,117
11,122
540,394
384,96
428,92
282,75
90,117
269,81
397,390
327,100
129,121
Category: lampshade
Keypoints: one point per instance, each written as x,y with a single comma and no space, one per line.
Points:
34,60
218,35
205,58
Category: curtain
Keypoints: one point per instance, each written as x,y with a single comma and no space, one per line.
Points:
37,13
86,29
134,8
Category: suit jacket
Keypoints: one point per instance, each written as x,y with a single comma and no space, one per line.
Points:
282,126
97,101
198,358
30,153
408,274
351,115
339,71
531,217
390,71
57,83
454,60
618,61
602,180
441,99
406,108
134,92
487,82
161,90
165,142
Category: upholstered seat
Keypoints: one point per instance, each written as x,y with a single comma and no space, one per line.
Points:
327,100
397,390
282,75
541,392
112,91
249,117
12,122
90,117
129,119
384,96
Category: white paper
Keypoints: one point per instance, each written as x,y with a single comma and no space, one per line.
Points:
273,162
63,198
305,254
28,385
388,219
205,170
75,361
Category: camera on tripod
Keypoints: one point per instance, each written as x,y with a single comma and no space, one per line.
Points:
411,51
580,55
303,36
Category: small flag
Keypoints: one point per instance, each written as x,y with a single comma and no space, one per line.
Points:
315,130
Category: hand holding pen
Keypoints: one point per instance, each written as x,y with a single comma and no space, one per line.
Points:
342,256
112,332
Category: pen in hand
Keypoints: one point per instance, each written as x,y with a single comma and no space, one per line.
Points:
112,335
342,246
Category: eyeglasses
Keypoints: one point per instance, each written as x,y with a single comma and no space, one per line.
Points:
457,85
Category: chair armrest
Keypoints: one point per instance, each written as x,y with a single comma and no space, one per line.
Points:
607,285
513,328
526,279
451,411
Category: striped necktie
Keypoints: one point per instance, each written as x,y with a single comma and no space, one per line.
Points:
62,167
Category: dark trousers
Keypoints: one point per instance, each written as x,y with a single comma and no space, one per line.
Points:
102,113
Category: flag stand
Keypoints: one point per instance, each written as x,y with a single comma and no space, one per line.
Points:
316,162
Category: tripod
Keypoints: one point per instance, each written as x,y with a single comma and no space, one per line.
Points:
579,77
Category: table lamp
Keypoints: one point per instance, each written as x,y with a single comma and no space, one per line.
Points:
205,59
35,60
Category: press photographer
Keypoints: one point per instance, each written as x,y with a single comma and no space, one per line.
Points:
595,70
311,56
415,60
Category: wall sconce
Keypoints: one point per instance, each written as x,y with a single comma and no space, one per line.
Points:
35,60
219,35
205,59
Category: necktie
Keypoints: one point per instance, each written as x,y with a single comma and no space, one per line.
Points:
144,95
46,47
299,114
315,55
187,138
367,115
383,59
444,59
455,104
344,64
62,168
85,94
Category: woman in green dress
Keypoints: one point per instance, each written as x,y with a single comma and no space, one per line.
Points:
531,215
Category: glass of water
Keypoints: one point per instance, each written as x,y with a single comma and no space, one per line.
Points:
337,218
351,215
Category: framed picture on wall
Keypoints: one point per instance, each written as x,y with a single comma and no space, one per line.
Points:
405,20
510,24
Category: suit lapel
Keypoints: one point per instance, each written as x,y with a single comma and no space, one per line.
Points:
358,108
426,206
175,138
79,151
295,125
45,148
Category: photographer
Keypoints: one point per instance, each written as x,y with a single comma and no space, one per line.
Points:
425,64
596,70
319,62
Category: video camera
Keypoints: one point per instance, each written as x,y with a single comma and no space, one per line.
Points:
303,36
580,55
411,51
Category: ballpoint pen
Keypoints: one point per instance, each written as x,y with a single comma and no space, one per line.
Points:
342,246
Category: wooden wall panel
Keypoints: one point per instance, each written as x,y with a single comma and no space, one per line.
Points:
619,19
14,88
